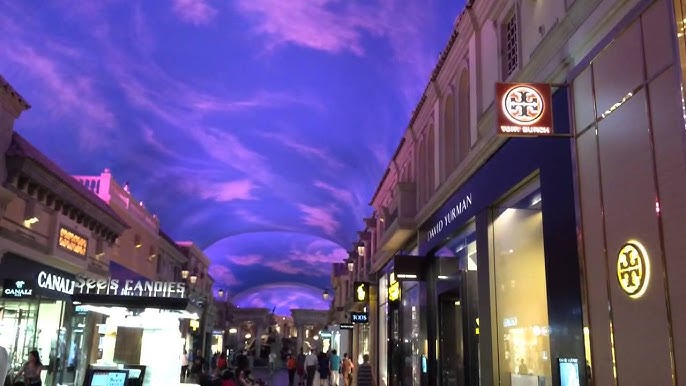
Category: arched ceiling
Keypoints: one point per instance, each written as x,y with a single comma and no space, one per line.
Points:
243,125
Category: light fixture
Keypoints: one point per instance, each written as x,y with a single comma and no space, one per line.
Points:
30,216
325,295
248,336
316,337
220,292
184,274
351,264
193,278
443,277
360,249
233,330
406,276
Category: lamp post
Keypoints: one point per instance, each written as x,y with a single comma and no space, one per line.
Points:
325,294
351,264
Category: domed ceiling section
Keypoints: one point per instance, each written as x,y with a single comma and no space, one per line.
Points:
230,118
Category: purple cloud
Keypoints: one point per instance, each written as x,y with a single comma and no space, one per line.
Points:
244,259
230,191
282,296
196,12
223,275
320,217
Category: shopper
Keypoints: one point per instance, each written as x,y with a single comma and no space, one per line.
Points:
184,365
31,370
335,367
291,366
311,363
347,370
365,375
300,367
324,369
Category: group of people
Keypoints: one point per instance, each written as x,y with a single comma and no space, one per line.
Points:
218,371
331,368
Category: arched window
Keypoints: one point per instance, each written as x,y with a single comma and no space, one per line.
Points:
431,161
450,147
464,129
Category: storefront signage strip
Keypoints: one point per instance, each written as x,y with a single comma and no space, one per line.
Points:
54,282
449,216
141,288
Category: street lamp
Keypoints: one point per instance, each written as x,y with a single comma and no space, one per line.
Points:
220,292
325,295
184,274
360,249
351,264
193,278
233,330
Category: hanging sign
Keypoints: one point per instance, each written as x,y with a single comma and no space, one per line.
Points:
361,291
524,109
359,317
346,326
139,288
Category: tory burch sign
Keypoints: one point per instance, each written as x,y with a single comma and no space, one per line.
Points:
524,109
633,269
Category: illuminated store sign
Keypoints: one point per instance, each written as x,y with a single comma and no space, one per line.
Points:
524,109
73,242
393,288
633,269
359,317
346,326
17,289
449,216
55,282
141,288
361,291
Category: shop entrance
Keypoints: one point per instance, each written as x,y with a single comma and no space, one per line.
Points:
451,352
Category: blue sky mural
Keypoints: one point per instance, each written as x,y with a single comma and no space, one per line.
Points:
256,128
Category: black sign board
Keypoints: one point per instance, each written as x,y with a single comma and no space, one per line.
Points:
346,326
359,317
17,289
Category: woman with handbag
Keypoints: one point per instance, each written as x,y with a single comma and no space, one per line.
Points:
31,370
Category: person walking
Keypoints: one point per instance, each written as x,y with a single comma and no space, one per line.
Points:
300,367
347,370
335,367
291,365
311,363
324,369
184,365
365,375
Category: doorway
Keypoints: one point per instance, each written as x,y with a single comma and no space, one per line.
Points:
451,349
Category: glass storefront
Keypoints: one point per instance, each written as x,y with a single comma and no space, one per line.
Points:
383,331
35,324
523,338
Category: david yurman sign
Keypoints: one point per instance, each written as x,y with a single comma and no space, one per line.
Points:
449,216
17,289
524,109
140,288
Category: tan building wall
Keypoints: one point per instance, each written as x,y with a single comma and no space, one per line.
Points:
632,180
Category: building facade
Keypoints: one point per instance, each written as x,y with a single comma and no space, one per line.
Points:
538,260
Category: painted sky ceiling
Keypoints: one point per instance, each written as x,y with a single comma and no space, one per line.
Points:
256,128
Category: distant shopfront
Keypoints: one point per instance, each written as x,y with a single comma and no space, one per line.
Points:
130,323
35,313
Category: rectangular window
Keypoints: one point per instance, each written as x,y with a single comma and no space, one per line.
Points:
523,337
510,44
73,242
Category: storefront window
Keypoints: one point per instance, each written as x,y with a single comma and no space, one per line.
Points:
34,324
520,286
383,331
412,337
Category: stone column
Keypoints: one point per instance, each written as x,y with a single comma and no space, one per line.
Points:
301,338
259,330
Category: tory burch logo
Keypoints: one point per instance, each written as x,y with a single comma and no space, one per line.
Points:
633,269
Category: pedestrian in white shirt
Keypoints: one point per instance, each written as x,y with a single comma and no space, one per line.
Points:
311,362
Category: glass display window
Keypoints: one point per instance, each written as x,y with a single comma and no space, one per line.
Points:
523,338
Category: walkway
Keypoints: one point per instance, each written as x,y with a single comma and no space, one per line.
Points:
279,378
